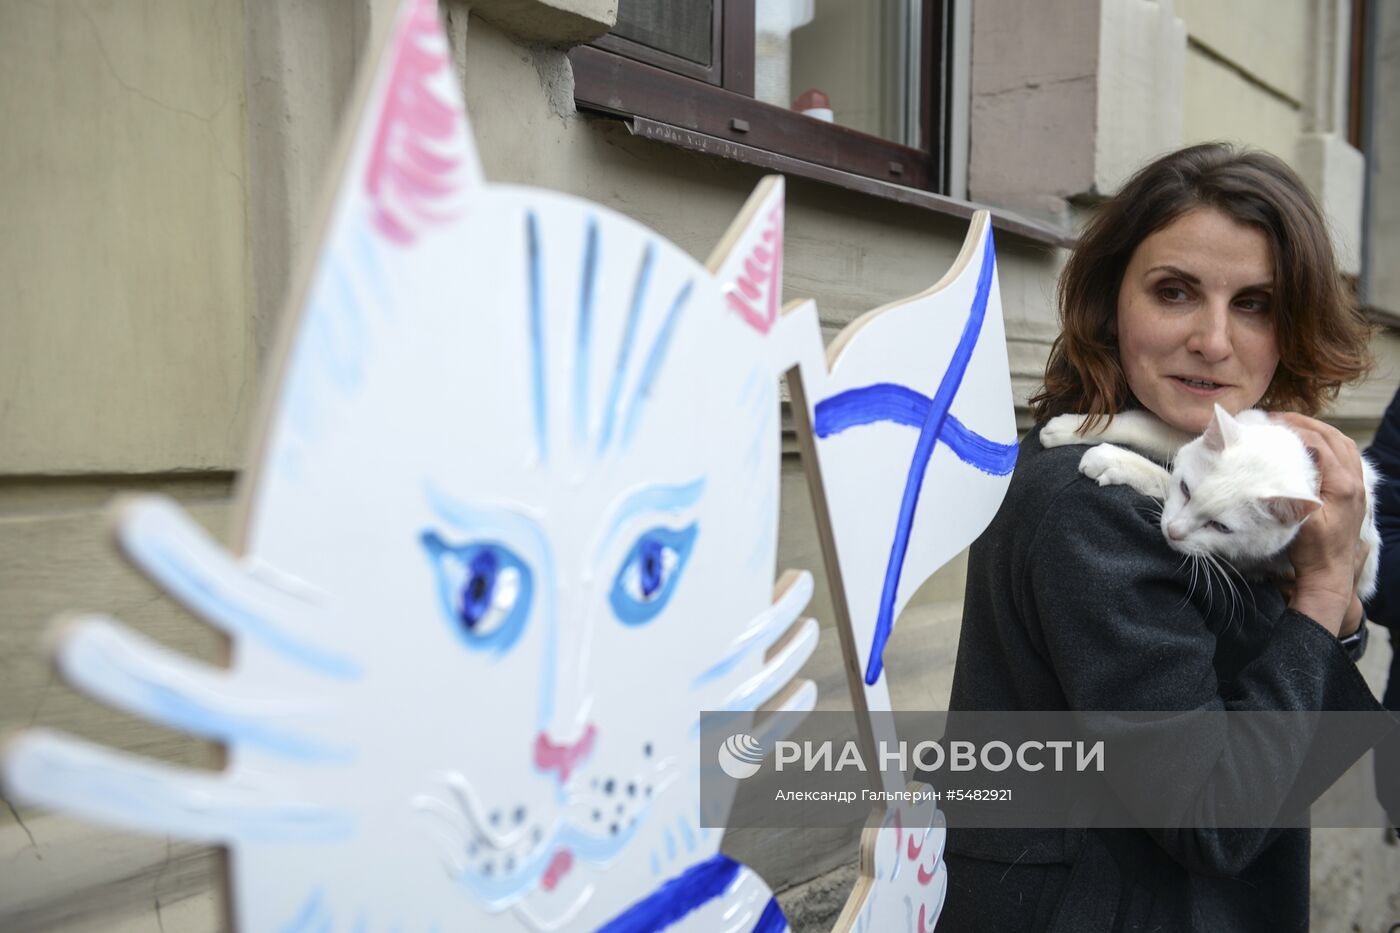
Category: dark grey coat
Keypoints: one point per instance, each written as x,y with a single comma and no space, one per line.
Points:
1074,602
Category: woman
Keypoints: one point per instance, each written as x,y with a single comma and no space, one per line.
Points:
1209,279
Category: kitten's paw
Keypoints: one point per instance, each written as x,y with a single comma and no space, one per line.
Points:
1103,465
1113,466
1061,430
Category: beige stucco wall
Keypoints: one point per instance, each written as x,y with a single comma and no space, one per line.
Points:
124,272
1275,55
1223,103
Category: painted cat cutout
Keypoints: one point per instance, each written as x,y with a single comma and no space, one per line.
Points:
509,524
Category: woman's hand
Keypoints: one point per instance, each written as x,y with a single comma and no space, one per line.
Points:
1327,555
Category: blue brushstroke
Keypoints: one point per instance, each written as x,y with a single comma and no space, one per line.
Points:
647,556
677,897
367,265
928,436
201,595
883,401
670,844
757,637
724,666
655,358
288,824
346,338
987,455
687,836
585,330
768,531
772,920
887,401
629,336
172,708
532,245
481,562
649,499
767,411
513,524
655,865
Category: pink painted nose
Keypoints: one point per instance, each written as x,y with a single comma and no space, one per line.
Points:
1175,533
563,759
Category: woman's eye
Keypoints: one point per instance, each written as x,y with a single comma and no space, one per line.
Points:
1252,304
1172,293
649,573
1185,491
1218,527
484,590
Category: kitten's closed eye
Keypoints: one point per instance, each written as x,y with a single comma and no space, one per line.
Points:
484,589
1223,529
649,573
1185,491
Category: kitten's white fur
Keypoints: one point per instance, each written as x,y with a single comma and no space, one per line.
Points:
1240,491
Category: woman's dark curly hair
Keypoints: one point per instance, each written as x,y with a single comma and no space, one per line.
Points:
1322,337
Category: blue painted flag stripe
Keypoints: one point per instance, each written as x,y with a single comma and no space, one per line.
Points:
923,450
886,401
772,920
692,888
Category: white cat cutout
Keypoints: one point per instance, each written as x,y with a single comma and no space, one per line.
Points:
509,525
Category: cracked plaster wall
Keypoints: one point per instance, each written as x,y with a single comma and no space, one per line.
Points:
124,273
126,361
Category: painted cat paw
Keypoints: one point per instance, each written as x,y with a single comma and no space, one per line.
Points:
902,858
1060,431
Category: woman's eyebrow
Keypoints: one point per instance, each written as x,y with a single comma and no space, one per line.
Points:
1264,286
1179,273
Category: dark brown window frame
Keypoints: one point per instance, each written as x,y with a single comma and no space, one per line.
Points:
632,85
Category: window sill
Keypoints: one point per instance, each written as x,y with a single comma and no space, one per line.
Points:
1002,220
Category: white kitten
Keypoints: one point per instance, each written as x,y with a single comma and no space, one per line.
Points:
1239,492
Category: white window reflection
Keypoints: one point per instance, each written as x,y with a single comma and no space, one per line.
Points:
861,56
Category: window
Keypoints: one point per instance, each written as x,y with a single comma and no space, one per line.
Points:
859,86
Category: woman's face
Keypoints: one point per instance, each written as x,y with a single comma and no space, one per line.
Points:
1195,326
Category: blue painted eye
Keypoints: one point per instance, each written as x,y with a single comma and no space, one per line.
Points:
484,589
649,573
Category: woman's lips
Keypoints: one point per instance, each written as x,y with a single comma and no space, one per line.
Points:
1203,387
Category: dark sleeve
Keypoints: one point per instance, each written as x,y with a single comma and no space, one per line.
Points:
1122,635
1384,606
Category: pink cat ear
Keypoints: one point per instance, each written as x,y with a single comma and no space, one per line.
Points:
1290,510
420,160
1222,431
748,262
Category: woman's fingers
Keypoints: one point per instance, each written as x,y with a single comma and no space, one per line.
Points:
1325,555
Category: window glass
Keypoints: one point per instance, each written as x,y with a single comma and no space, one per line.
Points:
681,29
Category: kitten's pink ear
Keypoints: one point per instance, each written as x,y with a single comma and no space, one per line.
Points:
748,262
1222,431
1290,510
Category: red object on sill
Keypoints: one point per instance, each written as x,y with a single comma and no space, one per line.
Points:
814,103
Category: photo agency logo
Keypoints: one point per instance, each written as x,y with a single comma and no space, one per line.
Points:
741,756
1042,770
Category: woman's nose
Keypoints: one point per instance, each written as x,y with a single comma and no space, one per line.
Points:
1210,333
